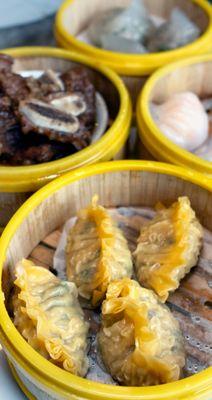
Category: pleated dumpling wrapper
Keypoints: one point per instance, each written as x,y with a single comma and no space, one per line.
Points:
168,247
48,315
140,341
182,119
96,253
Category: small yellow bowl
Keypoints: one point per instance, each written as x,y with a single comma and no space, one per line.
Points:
118,183
74,16
17,183
192,74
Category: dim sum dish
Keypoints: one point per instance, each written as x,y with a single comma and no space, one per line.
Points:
135,37
87,265
45,116
140,341
97,253
48,315
174,112
135,26
168,247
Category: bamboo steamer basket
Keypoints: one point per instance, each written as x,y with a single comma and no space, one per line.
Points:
17,183
118,183
193,74
74,16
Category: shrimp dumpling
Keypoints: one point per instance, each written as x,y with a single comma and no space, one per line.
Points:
182,119
140,341
96,253
48,315
168,247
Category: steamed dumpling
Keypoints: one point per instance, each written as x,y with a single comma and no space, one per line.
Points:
48,315
97,253
140,341
182,119
121,44
124,26
177,31
168,247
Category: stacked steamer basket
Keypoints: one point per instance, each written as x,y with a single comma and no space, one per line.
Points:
125,185
73,18
188,75
17,183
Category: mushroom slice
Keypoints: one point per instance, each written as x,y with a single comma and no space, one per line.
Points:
45,119
72,103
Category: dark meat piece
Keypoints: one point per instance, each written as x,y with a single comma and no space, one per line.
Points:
38,149
77,81
6,62
10,133
7,117
19,149
10,140
5,103
48,84
62,149
28,156
33,155
14,86
70,116
46,118
18,88
40,117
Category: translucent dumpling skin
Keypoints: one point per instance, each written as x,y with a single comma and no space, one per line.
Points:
49,317
168,247
177,31
97,253
140,341
182,119
120,25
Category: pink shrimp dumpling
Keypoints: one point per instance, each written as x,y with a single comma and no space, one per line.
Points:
182,119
